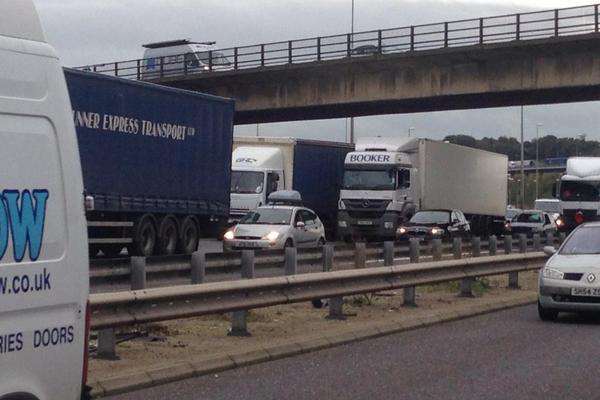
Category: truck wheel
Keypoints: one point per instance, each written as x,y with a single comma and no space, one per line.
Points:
190,235
168,235
144,240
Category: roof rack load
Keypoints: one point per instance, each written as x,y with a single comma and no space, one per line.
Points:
286,198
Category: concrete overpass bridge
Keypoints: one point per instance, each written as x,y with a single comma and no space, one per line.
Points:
520,59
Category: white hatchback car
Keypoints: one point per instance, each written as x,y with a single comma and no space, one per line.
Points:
276,227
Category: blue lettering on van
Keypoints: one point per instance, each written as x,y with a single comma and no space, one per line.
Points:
25,219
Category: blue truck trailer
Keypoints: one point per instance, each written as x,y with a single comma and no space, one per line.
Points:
314,168
156,163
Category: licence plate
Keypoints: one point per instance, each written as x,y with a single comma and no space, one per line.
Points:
591,292
248,244
365,222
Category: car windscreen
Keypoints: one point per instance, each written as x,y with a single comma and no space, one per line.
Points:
585,240
361,179
245,182
268,216
580,191
530,218
431,217
510,214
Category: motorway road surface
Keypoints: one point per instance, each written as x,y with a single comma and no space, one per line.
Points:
504,355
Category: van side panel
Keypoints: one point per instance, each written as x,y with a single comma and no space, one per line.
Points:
43,253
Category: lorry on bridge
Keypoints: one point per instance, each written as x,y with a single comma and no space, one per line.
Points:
156,164
579,193
387,180
263,165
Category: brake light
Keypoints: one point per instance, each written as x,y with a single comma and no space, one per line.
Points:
579,218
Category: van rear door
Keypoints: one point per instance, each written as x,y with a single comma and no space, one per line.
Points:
43,251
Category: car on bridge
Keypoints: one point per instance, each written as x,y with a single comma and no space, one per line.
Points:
436,224
570,280
530,222
283,223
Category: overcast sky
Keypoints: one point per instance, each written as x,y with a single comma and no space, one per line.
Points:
97,31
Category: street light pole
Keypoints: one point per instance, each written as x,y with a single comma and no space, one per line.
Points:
522,159
352,41
537,159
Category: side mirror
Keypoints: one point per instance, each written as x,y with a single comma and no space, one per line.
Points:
549,250
300,224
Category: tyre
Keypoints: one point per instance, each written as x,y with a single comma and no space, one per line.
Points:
168,236
547,314
145,237
190,235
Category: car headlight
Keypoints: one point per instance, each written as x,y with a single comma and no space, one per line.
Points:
271,236
229,235
342,224
401,230
341,205
559,222
552,273
437,231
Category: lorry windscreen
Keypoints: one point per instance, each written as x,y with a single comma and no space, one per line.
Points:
246,182
580,191
370,180
431,217
268,216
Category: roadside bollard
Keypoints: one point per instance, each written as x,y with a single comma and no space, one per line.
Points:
522,243
537,242
508,242
138,273
549,238
239,319
388,253
457,248
561,237
414,250
107,345
436,249
291,261
198,267
328,254
492,245
476,246
360,255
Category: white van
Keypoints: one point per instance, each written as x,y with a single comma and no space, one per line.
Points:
180,57
43,251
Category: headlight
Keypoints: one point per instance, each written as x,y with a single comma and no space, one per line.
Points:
341,205
272,236
437,231
229,235
559,222
507,226
401,230
552,273
342,224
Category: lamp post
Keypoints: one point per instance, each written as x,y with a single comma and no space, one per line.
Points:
352,45
537,159
522,159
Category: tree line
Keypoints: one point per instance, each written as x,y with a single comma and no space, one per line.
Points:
550,146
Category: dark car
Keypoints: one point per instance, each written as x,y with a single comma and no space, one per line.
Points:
436,224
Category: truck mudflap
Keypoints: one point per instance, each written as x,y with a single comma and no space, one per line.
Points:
352,226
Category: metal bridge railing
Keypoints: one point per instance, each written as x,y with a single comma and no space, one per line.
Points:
467,32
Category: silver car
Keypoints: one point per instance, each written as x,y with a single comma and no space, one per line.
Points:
276,227
532,221
570,280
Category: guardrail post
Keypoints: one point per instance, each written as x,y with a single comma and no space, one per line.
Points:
475,246
436,249
349,45
239,319
518,27
116,69
291,261
328,254
480,30
235,58
508,242
262,55
537,242
107,345
318,49
138,70
549,238
388,253
445,34
138,273
409,297
457,248
556,26
198,267
414,250
210,60
162,67
561,237
522,243
492,245
336,309
379,42
360,255
596,25
412,38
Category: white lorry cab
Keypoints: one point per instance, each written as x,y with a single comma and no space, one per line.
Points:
43,250
180,57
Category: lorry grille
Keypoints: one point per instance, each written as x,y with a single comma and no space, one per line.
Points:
366,204
366,214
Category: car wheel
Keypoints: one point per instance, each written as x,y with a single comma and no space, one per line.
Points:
288,243
547,314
